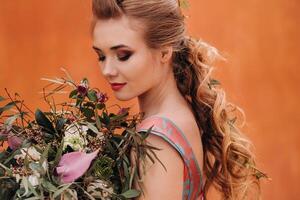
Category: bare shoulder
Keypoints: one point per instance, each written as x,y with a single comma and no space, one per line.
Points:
157,183
161,184
186,122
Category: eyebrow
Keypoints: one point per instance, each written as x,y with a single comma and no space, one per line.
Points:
112,48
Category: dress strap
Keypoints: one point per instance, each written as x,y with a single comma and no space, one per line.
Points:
167,129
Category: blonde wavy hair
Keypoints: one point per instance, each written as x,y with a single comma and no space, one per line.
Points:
229,164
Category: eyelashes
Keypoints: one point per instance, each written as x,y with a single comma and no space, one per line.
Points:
122,58
101,58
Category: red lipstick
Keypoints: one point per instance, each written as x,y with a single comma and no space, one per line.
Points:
117,86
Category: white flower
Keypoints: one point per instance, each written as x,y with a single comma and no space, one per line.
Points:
75,128
34,179
31,153
75,137
45,165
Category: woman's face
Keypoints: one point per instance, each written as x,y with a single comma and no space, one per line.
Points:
124,57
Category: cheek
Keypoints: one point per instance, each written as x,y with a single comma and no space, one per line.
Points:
139,74
142,71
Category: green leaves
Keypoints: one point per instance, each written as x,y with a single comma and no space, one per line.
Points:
131,194
92,95
113,134
105,118
9,121
103,167
87,112
43,121
60,123
73,94
8,106
61,190
48,185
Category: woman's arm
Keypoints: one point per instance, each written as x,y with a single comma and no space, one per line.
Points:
158,183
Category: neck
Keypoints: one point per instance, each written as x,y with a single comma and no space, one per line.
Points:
161,99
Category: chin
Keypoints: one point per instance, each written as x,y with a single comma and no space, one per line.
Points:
124,97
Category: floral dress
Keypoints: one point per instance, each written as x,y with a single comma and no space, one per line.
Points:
165,128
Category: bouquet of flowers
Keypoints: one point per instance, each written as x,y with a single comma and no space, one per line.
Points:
76,150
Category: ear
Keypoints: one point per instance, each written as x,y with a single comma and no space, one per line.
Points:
166,54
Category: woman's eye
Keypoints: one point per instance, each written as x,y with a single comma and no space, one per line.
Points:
124,57
101,58
121,57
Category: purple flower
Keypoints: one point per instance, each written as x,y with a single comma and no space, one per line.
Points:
123,111
73,165
14,142
83,88
101,97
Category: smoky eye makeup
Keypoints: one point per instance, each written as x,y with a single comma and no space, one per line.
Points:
121,55
100,56
124,55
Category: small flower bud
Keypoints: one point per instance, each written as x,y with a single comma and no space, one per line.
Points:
101,97
83,88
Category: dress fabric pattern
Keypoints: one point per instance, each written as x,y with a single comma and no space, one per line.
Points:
165,128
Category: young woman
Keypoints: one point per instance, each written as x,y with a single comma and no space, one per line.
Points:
144,52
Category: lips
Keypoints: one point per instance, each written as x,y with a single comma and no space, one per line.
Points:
117,86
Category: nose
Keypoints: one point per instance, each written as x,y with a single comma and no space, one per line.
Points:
109,69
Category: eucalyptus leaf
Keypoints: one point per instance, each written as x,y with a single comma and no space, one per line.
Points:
59,153
79,101
92,127
8,106
73,94
87,112
105,118
48,185
131,193
60,123
9,121
62,189
43,121
92,95
25,184
32,190
33,198
11,156
98,122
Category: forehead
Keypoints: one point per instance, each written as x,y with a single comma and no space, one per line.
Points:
111,32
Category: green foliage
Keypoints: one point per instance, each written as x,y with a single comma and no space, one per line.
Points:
46,133
92,95
8,106
43,121
103,168
131,194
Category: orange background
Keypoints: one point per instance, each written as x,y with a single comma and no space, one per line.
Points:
260,40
